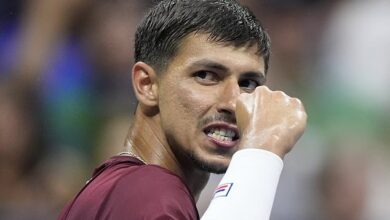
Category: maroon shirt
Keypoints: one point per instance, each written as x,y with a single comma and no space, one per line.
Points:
125,188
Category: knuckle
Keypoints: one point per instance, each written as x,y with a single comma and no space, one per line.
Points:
261,89
303,117
296,101
279,93
281,96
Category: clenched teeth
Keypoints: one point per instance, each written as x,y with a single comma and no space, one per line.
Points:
221,134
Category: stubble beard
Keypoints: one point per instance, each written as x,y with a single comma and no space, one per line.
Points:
203,163
198,160
207,166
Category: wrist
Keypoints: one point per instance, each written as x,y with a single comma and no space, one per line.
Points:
248,187
277,150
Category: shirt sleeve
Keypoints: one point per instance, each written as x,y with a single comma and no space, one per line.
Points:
247,190
150,193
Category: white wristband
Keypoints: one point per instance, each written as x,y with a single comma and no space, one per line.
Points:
247,190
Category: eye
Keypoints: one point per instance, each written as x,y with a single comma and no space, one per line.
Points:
206,77
248,84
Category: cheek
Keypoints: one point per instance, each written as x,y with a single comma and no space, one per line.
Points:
187,105
195,101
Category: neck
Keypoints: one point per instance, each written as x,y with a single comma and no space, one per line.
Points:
147,140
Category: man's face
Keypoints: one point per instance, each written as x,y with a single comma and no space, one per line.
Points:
197,99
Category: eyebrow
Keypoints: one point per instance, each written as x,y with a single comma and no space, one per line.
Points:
217,66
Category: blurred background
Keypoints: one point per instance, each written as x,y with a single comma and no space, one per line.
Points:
66,101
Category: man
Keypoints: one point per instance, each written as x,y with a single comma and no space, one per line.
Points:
198,77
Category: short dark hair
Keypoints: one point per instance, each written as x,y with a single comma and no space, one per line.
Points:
170,21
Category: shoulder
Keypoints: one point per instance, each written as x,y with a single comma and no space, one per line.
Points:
152,181
149,192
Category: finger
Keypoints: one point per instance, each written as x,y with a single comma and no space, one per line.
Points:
245,102
244,109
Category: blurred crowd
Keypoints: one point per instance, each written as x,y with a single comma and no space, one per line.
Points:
66,101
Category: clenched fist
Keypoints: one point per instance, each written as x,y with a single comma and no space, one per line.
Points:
270,120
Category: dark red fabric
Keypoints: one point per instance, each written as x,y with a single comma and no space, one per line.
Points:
125,188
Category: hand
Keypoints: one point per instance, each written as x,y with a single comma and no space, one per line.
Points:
270,120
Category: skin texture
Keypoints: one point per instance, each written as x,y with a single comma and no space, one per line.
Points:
270,120
198,90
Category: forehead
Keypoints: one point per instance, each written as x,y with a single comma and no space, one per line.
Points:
198,47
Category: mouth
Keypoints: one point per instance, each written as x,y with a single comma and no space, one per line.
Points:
222,134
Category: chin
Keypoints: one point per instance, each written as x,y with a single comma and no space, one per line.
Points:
209,165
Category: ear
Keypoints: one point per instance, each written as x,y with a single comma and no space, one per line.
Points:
145,84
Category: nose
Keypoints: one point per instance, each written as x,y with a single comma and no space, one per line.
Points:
228,97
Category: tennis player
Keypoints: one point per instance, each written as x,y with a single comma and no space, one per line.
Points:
203,107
